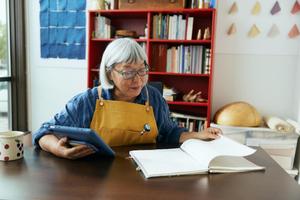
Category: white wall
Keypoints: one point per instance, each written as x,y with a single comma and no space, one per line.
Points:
261,71
267,82
51,82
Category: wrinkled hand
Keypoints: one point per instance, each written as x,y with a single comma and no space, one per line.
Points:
210,133
62,149
206,134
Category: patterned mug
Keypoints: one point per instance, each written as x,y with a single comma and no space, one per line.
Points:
11,145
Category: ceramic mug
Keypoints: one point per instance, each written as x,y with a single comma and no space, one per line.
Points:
11,145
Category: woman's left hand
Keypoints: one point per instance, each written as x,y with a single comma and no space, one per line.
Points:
207,134
210,133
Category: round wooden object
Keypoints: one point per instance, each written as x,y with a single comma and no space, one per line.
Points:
238,114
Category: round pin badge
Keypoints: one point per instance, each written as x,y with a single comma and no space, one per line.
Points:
147,127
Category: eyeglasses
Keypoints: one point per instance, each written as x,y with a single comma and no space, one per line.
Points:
131,74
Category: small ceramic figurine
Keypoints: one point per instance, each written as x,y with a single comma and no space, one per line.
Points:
199,34
191,97
206,35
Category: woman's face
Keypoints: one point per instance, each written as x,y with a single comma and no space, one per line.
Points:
129,79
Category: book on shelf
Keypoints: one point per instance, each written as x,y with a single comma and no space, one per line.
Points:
103,28
191,125
190,122
182,59
205,66
189,31
170,27
221,155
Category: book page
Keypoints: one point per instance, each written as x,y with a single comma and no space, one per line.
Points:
205,151
166,162
223,164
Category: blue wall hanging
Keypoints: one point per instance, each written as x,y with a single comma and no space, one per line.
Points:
62,28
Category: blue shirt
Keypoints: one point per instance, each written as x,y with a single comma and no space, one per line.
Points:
79,111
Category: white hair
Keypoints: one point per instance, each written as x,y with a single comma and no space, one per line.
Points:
122,50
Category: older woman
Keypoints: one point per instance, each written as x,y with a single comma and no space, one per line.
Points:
119,110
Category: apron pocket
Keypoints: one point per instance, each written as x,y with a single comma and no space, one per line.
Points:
135,137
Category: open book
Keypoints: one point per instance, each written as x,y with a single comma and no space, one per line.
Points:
195,157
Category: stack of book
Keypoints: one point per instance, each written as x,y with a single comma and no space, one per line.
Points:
103,28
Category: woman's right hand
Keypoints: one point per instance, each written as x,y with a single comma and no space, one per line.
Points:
61,148
64,150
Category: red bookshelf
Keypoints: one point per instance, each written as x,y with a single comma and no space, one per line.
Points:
182,82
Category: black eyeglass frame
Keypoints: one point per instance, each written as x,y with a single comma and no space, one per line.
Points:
127,75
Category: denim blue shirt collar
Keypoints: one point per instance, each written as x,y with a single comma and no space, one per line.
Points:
140,99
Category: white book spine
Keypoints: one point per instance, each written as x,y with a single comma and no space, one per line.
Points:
170,27
190,28
175,27
200,61
96,26
169,55
183,29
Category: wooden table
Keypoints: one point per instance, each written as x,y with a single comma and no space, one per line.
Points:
40,175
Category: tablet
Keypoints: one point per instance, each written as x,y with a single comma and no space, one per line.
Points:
77,136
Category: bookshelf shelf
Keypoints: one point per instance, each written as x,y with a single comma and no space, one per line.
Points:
187,103
190,66
179,74
109,40
101,40
141,11
181,41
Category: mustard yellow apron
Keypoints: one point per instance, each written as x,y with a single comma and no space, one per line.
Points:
121,123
